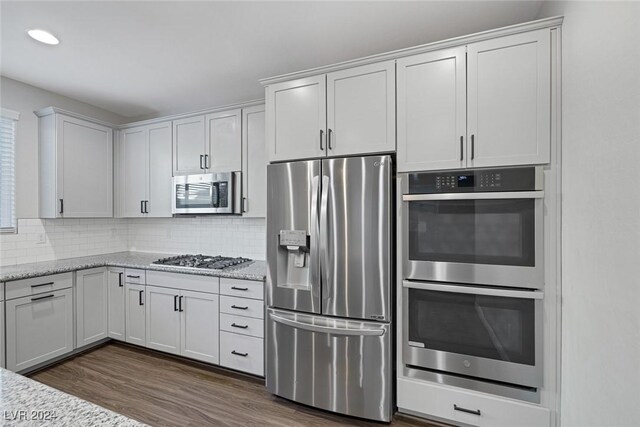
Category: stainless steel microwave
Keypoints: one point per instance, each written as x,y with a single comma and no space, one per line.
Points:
482,227
210,193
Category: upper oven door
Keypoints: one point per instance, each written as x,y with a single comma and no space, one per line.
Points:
204,194
491,238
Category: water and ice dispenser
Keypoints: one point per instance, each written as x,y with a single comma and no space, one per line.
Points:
294,259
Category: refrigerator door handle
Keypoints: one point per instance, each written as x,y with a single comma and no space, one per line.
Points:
314,232
326,329
324,236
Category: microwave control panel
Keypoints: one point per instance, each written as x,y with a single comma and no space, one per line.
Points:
470,181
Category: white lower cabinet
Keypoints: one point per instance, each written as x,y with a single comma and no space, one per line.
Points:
242,353
135,318
467,407
92,320
39,328
116,303
199,326
163,319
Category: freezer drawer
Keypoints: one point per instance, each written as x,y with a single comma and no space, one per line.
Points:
340,365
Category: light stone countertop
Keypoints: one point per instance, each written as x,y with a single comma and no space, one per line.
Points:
256,270
25,402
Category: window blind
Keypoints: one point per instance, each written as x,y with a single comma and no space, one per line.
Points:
8,125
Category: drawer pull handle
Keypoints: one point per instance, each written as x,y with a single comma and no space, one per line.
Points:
235,288
44,297
237,307
133,277
42,284
239,326
468,411
239,354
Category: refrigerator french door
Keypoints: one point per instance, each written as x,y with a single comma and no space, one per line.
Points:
328,284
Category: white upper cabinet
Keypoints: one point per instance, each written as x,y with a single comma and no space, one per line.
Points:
432,110
491,109
145,171
341,113
159,176
224,141
254,179
189,145
509,83
133,175
361,110
296,119
76,166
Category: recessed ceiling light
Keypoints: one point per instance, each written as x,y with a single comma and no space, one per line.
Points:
43,36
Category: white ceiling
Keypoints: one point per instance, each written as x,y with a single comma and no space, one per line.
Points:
149,58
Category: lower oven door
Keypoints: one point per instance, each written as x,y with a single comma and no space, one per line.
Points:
481,332
340,365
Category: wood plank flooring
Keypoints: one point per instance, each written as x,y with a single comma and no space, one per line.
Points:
160,390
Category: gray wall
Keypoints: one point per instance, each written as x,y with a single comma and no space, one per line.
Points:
601,212
25,99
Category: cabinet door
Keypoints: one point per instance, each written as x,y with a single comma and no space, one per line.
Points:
85,168
159,193
199,326
224,142
133,171
188,145
254,168
432,122
39,328
135,319
361,110
116,303
163,319
296,119
2,364
92,319
509,110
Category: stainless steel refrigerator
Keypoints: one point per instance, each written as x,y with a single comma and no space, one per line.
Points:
329,333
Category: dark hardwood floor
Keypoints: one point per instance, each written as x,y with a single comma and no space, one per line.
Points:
164,391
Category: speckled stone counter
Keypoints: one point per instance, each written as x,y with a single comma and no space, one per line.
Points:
25,402
256,270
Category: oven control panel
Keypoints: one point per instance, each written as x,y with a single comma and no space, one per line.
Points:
485,180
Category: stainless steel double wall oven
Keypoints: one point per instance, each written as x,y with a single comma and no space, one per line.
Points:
473,278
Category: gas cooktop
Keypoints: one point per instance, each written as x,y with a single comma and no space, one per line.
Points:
202,261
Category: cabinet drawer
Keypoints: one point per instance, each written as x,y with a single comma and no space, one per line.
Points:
187,282
242,353
433,400
38,285
241,306
135,276
242,325
241,288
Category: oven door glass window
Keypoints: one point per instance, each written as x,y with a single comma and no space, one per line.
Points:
498,231
500,328
200,195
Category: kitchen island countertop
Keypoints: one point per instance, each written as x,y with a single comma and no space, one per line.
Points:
256,270
24,401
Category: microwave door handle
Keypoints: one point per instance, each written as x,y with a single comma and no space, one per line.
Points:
428,286
474,196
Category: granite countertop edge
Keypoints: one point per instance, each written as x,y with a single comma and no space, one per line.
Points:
140,260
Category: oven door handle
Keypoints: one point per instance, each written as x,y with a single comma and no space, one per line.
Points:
474,196
475,290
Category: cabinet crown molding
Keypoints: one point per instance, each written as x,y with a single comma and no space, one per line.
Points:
552,22
47,111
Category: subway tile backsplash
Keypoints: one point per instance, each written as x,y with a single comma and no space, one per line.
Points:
49,239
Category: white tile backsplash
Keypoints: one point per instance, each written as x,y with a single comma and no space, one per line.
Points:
66,238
